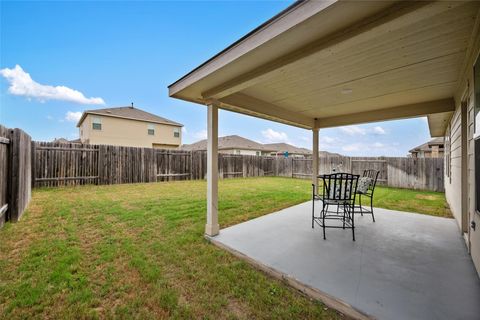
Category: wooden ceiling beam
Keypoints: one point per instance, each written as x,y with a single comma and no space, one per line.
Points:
245,104
393,113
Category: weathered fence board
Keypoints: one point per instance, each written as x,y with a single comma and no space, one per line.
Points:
70,164
4,173
57,164
15,173
416,173
360,164
20,174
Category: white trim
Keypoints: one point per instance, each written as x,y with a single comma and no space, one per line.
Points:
315,149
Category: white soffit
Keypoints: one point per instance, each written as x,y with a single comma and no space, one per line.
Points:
343,59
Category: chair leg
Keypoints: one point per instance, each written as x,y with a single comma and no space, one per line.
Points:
371,208
353,221
344,211
313,211
360,202
323,222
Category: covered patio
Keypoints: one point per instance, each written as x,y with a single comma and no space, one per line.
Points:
321,64
400,267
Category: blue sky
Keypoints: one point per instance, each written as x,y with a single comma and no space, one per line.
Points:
123,52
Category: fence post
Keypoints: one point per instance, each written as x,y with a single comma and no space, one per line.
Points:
19,178
33,164
292,166
13,176
191,164
5,146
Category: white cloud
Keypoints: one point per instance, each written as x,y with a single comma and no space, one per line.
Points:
368,149
327,139
49,117
73,116
352,147
201,135
274,136
21,84
354,130
184,130
378,130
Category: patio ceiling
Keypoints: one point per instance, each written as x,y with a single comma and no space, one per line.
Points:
328,63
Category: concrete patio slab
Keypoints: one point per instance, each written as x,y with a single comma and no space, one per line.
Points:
404,266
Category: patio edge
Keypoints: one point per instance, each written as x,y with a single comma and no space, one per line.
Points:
305,289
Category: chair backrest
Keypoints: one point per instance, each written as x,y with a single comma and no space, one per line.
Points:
372,174
340,186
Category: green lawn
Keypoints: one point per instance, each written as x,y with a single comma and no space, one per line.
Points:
137,251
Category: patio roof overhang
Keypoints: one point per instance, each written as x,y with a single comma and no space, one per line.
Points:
321,64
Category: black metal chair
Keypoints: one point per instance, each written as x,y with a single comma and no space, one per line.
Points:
338,191
369,192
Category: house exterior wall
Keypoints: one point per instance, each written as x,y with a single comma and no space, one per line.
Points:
453,181
453,184
428,154
128,132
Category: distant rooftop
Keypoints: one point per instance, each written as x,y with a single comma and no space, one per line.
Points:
285,147
228,142
129,112
238,142
427,145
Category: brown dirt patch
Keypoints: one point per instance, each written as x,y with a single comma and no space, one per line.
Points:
426,197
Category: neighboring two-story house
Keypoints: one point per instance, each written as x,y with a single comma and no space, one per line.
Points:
431,149
129,126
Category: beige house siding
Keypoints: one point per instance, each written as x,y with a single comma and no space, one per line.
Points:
453,183
428,154
129,132
453,187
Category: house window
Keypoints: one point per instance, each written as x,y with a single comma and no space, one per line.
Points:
476,97
237,151
151,130
176,132
97,123
258,153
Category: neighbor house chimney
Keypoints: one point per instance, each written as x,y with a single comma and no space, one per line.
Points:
132,105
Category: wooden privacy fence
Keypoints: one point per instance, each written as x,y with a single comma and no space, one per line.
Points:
73,164
57,164
399,172
15,173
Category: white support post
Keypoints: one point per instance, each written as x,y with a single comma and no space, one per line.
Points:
315,158
212,227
